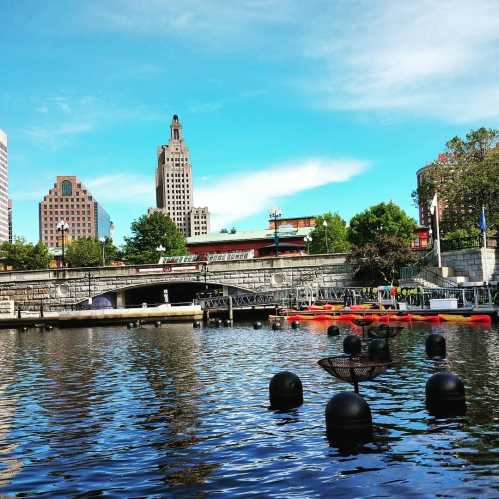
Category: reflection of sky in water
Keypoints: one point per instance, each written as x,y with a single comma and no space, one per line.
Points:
180,411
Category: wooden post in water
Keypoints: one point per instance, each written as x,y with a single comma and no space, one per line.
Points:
230,308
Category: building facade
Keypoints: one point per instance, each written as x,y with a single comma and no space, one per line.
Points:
71,202
4,188
174,184
296,222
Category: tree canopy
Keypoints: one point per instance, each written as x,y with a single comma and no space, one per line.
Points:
382,219
21,255
379,261
336,232
150,232
466,178
88,252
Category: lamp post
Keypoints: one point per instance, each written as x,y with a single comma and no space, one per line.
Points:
103,242
62,227
308,240
324,223
275,214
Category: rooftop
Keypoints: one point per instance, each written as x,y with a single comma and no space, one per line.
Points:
248,235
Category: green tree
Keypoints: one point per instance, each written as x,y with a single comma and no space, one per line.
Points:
466,178
379,261
336,232
382,219
84,252
21,255
148,233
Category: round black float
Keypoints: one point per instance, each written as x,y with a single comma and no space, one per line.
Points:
348,418
333,331
435,346
227,323
48,327
217,322
129,325
257,325
379,350
285,391
157,324
276,326
445,395
196,324
23,329
352,345
295,324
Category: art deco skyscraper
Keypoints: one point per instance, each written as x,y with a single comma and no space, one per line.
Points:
4,195
174,184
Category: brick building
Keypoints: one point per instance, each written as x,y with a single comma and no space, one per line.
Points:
71,202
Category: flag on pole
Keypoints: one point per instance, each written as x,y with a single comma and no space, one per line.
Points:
482,223
434,204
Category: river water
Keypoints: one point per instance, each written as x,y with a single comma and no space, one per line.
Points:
183,412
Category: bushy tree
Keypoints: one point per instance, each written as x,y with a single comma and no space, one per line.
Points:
148,233
379,261
382,219
84,252
336,231
465,177
21,255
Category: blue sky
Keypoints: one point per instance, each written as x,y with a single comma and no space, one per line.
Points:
310,106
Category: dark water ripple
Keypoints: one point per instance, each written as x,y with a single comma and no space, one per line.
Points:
182,412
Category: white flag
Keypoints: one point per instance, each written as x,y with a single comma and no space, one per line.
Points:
434,204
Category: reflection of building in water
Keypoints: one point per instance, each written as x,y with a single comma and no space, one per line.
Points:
9,466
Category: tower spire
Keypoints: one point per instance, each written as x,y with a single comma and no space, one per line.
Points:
176,129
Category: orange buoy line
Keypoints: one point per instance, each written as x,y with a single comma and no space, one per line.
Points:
386,316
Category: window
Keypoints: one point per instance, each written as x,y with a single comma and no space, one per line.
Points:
66,188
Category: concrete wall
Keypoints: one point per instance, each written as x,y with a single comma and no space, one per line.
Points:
58,288
477,264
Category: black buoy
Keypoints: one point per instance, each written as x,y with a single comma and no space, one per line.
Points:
445,395
129,325
23,329
333,331
379,350
218,322
348,418
196,324
372,333
48,327
227,323
285,391
257,325
295,324
435,346
157,324
276,326
352,345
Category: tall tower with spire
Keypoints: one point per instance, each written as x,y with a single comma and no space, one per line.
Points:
174,184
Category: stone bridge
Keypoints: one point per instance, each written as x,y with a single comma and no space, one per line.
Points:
63,288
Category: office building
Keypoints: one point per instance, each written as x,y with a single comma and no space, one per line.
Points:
4,188
174,184
70,201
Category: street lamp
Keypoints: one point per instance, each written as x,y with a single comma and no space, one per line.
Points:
324,223
62,227
308,240
103,242
275,214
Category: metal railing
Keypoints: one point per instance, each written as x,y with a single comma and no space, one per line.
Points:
467,243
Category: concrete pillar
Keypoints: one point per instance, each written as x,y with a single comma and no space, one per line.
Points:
120,299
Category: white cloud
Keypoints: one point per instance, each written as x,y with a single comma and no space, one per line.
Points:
123,187
241,195
433,58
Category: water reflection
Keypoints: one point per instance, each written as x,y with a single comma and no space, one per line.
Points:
177,411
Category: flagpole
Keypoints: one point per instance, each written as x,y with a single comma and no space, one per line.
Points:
437,223
484,231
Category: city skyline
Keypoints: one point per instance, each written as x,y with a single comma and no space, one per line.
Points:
312,112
